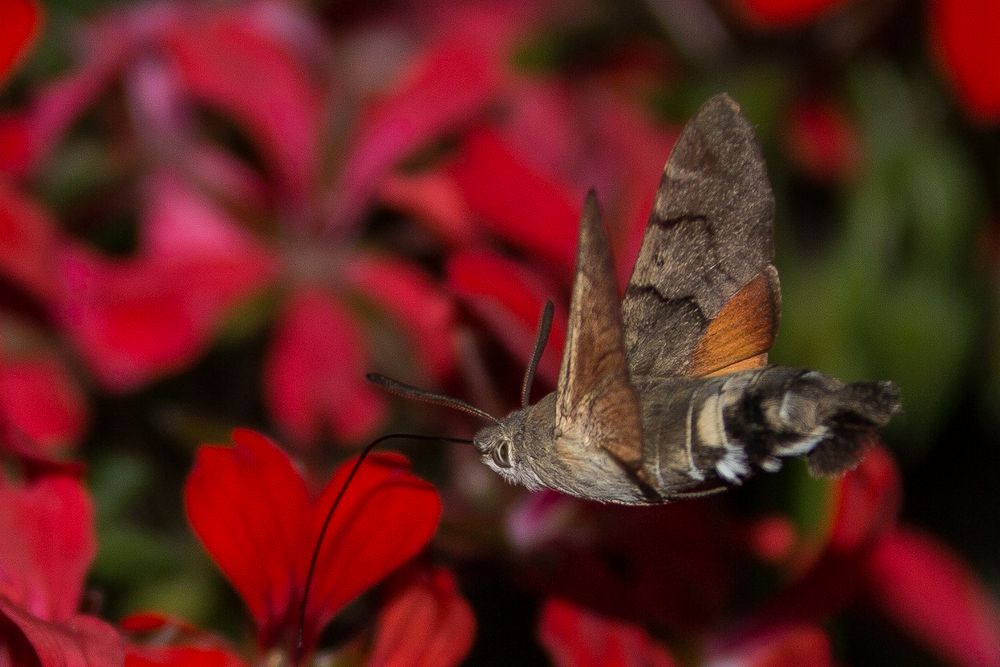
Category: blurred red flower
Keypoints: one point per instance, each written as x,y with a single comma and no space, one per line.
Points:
38,394
21,21
963,36
255,515
575,637
47,546
617,563
137,318
914,580
555,142
426,621
823,141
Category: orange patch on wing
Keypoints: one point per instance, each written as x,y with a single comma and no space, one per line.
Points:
743,331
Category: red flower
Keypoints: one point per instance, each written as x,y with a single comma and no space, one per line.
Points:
138,318
21,20
549,149
913,579
142,317
312,385
47,546
38,395
254,514
575,637
929,593
425,622
823,141
963,36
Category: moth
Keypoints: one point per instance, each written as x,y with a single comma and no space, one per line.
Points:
667,393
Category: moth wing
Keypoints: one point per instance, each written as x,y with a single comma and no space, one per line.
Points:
596,403
703,297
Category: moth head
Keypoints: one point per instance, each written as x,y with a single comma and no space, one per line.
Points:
504,448
501,444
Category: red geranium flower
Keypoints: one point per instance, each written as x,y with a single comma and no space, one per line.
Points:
136,318
257,518
47,546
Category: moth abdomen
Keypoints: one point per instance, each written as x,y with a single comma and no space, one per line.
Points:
700,432
787,412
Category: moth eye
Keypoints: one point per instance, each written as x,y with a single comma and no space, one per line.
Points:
501,454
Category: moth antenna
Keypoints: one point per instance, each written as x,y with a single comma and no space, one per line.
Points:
541,338
417,394
299,640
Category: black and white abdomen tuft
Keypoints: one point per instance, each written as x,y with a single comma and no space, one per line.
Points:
707,430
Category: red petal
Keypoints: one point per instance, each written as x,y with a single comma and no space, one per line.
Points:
15,144
446,86
60,103
575,637
924,587
509,297
181,656
28,241
250,509
784,13
517,202
131,320
188,645
964,35
186,231
433,199
867,502
47,546
824,141
314,373
386,517
784,647
233,65
38,396
427,622
137,319
77,641
21,21
421,308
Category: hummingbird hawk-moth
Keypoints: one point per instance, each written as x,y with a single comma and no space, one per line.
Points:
666,393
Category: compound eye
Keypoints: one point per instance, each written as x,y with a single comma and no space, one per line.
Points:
501,454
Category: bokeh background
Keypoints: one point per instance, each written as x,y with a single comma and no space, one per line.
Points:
221,215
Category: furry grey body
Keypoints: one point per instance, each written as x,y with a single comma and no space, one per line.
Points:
699,435
666,393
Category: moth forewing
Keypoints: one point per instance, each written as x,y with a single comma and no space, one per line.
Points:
596,404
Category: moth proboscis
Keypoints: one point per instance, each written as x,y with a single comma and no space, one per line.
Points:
666,393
